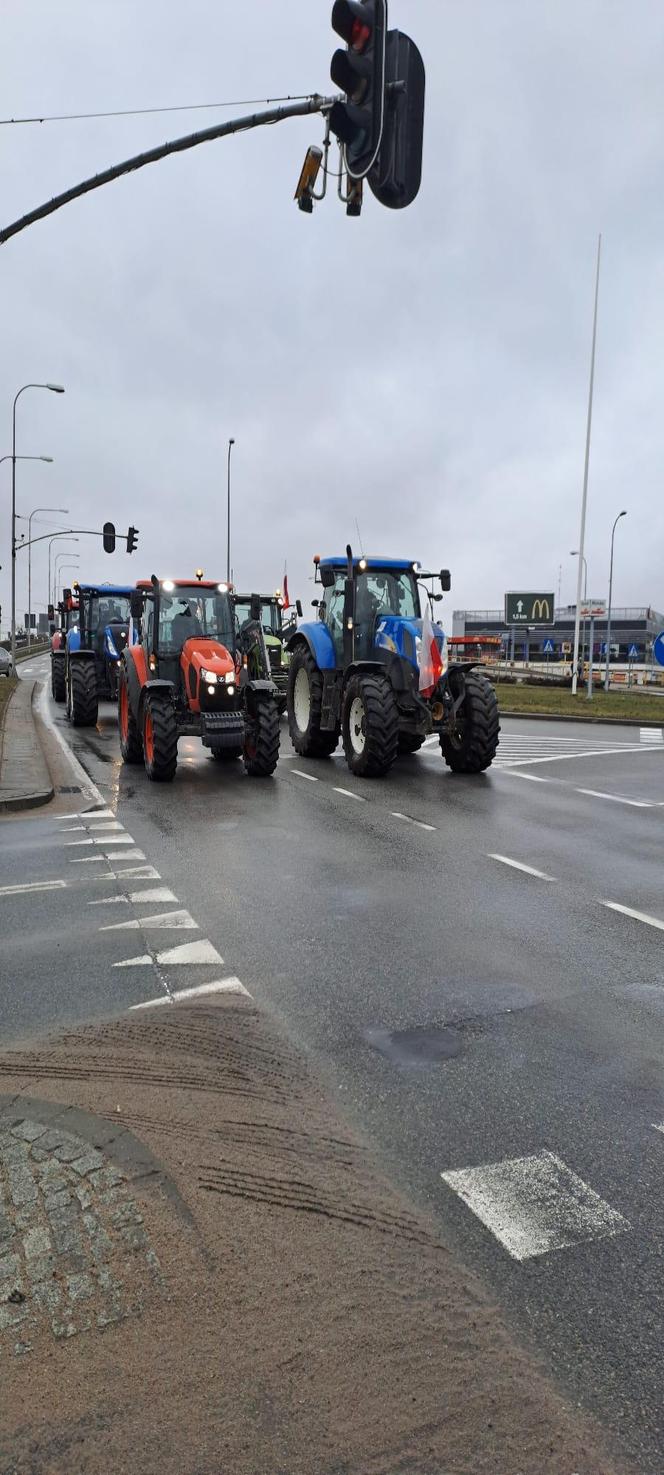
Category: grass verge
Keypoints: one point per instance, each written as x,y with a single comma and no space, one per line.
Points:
7,685
554,701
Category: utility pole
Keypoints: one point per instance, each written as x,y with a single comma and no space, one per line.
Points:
584,499
231,443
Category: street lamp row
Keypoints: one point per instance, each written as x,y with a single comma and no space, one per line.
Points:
55,389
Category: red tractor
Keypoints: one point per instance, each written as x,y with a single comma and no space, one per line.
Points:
192,672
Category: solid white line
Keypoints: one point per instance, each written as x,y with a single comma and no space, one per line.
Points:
185,954
615,906
616,798
349,794
32,886
298,772
181,920
566,757
229,985
88,789
117,855
519,866
535,1204
419,823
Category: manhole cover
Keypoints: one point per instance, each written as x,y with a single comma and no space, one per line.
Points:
417,1048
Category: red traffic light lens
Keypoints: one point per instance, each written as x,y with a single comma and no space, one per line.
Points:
360,35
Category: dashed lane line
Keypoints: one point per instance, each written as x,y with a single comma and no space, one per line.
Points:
31,886
408,819
518,865
616,906
615,798
535,1204
310,777
348,794
230,985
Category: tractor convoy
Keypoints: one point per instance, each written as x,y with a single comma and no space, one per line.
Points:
193,658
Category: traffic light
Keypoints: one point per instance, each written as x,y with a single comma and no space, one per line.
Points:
132,539
360,73
51,612
395,178
109,537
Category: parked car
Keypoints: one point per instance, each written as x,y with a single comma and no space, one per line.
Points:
6,668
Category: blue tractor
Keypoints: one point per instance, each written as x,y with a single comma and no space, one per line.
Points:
360,672
94,647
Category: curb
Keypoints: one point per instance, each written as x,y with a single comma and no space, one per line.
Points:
598,721
29,798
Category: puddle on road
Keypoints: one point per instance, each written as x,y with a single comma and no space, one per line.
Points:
418,1048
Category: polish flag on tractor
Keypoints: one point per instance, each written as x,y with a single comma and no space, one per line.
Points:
286,599
432,658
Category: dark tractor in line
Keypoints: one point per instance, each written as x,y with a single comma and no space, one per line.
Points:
68,615
94,644
276,633
374,672
193,673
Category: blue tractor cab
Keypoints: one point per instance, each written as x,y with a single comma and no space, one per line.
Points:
373,669
94,647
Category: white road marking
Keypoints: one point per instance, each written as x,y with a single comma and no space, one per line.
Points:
70,829
106,825
652,735
519,866
533,778
69,843
109,901
309,776
229,985
419,823
659,1126
615,906
185,954
349,794
155,893
88,789
105,840
182,920
615,798
32,886
137,873
117,855
94,814
535,1204
87,860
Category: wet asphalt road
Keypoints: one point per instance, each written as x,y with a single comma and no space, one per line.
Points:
469,1013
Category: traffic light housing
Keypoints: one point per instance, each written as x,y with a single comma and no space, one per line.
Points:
396,176
132,539
109,537
359,71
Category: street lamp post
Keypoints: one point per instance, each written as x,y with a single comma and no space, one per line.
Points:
586,467
608,614
51,541
32,514
231,443
74,558
574,553
55,389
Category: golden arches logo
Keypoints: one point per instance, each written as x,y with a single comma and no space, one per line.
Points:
541,610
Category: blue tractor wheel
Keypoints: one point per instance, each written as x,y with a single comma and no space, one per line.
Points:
305,701
370,725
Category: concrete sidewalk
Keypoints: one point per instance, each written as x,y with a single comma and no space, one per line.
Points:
202,1270
25,782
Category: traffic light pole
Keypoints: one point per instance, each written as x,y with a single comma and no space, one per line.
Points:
313,104
87,532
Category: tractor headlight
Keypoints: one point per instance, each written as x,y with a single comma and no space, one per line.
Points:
210,676
110,645
229,678
231,691
211,690
418,649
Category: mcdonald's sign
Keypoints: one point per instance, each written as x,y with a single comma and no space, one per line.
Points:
534,609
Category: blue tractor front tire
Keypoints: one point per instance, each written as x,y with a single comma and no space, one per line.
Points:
305,703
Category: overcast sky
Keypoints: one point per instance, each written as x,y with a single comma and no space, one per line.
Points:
423,372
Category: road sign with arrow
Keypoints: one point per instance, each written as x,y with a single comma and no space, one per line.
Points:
529,609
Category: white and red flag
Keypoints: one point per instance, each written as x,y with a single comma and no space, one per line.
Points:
432,658
286,598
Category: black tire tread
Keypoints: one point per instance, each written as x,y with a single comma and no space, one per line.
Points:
58,680
479,751
84,701
314,743
132,749
267,733
382,726
164,726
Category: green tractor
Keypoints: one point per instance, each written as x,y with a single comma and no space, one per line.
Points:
276,634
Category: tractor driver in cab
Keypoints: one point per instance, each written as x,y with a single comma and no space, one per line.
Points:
185,624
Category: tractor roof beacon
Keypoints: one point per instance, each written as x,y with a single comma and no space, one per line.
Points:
372,671
192,672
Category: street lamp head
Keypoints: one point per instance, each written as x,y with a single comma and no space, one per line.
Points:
46,458
231,440
623,514
56,388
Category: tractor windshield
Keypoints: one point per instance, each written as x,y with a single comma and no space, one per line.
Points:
270,615
192,611
388,592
